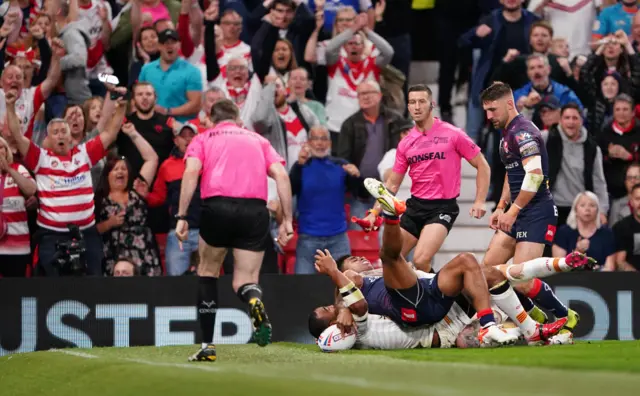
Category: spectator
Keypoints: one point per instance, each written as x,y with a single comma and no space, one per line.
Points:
177,83
571,20
400,128
232,46
619,144
614,18
601,106
92,110
331,11
67,166
271,54
96,14
285,125
209,98
125,268
575,164
320,183
585,233
621,207
16,184
626,232
166,189
504,29
122,212
560,47
549,111
365,137
346,73
76,40
541,85
27,58
146,51
298,85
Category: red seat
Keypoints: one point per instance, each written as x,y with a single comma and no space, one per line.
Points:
287,261
161,240
365,244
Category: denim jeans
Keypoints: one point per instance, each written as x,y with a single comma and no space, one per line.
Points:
178,261
359,209
47,250
307,245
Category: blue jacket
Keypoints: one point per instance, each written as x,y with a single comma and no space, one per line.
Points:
564,94
488,46
320,185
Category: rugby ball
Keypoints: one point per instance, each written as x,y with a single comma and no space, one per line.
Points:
332,340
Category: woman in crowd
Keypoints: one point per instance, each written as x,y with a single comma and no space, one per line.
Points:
92,110
122,212
15,185
584,232
146,50
601,106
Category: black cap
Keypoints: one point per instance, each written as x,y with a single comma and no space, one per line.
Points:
550,102
168,34
402,125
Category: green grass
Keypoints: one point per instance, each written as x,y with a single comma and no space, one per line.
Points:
603,369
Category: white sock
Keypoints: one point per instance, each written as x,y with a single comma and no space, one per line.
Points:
509,303
204,345
513,331
543,267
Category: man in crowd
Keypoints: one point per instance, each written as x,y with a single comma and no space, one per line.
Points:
320,183
178,83
627,232
64,184
365,137
347,73
613,18
575,163
432,153
234,193
529,224
285,125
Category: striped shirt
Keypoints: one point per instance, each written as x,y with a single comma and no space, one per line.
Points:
65,190
16,241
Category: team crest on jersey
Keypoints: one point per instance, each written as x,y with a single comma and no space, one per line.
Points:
54,163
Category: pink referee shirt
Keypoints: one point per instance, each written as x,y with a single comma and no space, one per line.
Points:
433,159
235,162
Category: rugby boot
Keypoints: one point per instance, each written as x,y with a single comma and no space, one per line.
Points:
580,261
538,315
572,321
545,331
494,335
261,325
390,204
206,354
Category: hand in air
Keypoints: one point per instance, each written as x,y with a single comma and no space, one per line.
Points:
325,263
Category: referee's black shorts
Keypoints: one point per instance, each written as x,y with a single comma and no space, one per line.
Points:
422,212
238,223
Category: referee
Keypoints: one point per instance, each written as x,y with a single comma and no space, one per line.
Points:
234,164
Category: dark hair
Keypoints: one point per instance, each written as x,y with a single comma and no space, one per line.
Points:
142,84
340,261
224,110
159,21
136,269
317,325
624,98
634,188
632,165
542,24
103,186
569,106
230,11
421,88
293,64
497,90
286,3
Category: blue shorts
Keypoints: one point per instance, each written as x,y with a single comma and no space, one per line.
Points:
536,223
423,304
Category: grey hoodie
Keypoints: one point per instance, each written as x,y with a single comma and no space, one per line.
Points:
570,181
74,64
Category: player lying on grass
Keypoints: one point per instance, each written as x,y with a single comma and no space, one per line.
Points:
411,302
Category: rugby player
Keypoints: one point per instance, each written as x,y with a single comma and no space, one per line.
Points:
530,222
432,153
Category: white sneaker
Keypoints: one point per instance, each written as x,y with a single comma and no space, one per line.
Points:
494,336
390,204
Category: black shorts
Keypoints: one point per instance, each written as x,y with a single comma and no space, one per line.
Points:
421,212
238,223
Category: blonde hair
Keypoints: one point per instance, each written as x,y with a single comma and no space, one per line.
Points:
9,153
572,220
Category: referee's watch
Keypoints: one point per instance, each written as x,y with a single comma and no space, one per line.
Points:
180,217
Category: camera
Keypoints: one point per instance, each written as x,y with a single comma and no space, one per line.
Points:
69,258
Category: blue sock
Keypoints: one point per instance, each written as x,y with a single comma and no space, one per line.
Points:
486,317
526,302
547,300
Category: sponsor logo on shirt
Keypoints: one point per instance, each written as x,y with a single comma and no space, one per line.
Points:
445,217
530,148
438,140
551,232
512,165
68,181
521,234
438,155
409,315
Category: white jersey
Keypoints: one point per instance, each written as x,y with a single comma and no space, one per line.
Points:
245,98
27,105
571,20
90,15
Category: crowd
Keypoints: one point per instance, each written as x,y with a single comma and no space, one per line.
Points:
101,98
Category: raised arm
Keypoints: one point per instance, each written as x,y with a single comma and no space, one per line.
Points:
148,154
110,133
332,51
53,76
22,143
347,289
386,50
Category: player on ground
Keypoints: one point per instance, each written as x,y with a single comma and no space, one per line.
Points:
523,230
432,152
234,164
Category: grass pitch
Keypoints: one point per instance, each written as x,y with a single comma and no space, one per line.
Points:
602,369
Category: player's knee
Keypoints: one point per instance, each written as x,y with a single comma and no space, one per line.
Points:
422,262
469,262
493,276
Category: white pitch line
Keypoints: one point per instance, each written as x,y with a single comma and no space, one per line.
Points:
76,354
